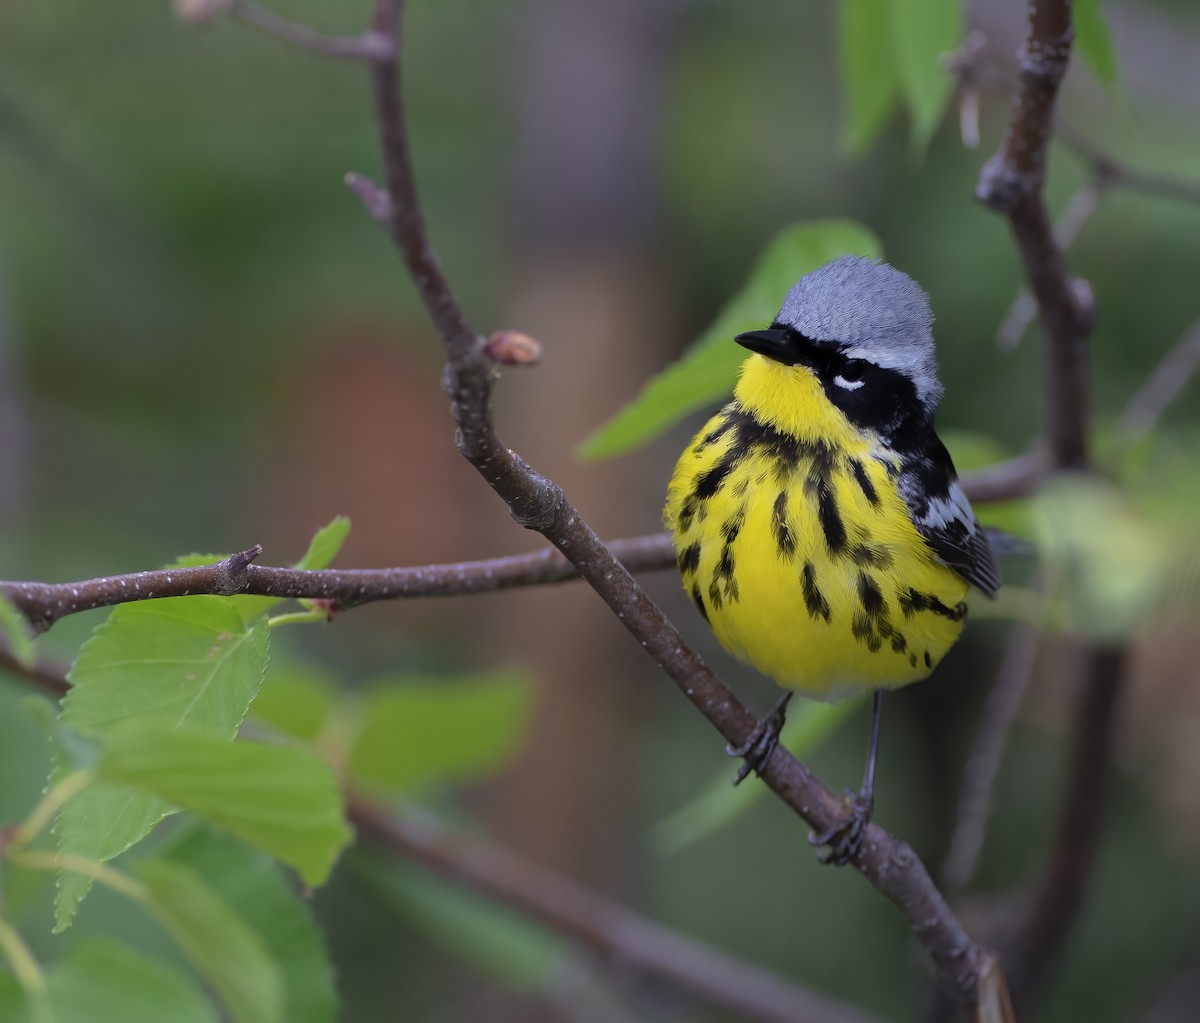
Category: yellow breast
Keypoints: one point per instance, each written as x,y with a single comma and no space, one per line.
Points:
795,544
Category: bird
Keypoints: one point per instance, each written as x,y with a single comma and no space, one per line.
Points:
817,520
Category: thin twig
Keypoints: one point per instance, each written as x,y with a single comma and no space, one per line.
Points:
360,47
983,765
43,604
611,931
1164,384
1078,212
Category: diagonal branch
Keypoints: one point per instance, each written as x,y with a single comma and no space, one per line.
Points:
889,864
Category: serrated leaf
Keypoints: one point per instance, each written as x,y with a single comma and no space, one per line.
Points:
707,371
325,544
281,799
719,803
870,83
1094,41
220,944
101,822
184,661
923,31
15,630
189,661
254,884
104,981
422,732
495,940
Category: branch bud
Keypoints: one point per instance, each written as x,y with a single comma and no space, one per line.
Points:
512,348
197,12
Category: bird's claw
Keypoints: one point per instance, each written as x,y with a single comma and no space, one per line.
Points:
760,744
845,838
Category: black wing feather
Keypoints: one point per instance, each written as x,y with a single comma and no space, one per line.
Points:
943,516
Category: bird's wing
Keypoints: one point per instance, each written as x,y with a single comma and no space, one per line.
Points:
943,516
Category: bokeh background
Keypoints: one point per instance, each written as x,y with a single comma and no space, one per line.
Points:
205,343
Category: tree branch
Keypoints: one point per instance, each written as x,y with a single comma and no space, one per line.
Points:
1038,946
890,865
45,603
1011,183
609,930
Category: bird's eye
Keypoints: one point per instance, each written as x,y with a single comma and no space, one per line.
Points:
850,376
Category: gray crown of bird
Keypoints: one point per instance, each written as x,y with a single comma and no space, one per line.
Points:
870,311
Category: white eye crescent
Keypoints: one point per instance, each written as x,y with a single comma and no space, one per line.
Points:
849,385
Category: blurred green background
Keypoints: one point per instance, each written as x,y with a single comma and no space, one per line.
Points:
205,343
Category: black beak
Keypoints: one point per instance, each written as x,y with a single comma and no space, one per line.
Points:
773,343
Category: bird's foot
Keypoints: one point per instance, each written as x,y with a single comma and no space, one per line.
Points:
762,741
845,838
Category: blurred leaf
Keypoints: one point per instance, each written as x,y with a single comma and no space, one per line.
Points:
103,981
220,944
1094,41
422,732
971,450
325,545
254,884
281,799
184,661
923,31
707,371
15,630
869,79
719,803
1113,565
296,699
492,938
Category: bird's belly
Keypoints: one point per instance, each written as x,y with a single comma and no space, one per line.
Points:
828,589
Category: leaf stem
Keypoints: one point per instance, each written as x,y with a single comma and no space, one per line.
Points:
27,972
50,804
73,863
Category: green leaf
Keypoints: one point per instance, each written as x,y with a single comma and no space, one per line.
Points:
220,944
296,699
1109,565
421,732
1094,41
281,799
190,661
325,544
719,803
492,938
869,77
15,630
266,903
708,369
184,661
923,31
103,981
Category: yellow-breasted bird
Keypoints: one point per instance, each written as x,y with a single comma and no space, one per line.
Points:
817,519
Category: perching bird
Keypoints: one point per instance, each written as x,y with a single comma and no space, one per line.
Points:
817,519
